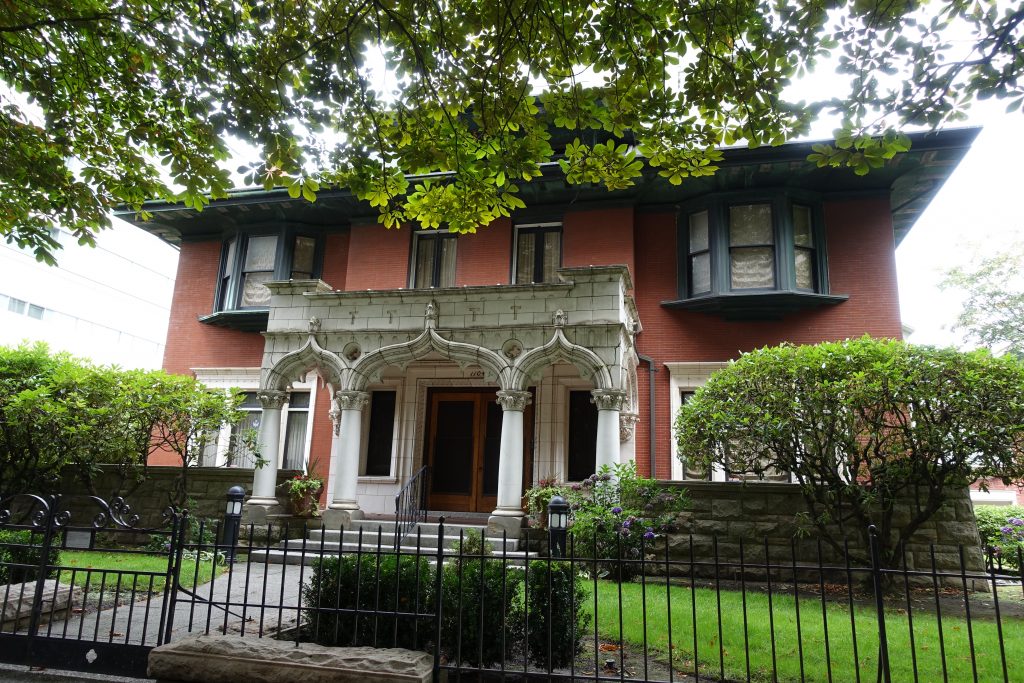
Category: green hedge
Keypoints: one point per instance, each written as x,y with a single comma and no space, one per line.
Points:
21,547
1002,527
374,584
557,592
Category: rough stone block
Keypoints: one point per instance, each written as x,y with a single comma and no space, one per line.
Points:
233,659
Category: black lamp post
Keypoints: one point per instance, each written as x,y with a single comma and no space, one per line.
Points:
558,523
232,521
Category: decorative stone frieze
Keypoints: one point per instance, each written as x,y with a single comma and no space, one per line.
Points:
351,400
627,426
608,399
514,400
272,399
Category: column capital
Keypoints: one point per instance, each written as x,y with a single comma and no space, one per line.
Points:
627,426
272,399
608,399
510,399
351,400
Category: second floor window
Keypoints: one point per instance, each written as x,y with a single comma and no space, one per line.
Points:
538,254
250,261
434,259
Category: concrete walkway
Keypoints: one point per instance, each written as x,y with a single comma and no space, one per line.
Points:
260,599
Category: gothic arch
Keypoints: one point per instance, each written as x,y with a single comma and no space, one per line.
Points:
368,368
310,357
531,363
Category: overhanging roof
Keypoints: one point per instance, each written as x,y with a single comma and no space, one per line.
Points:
910,181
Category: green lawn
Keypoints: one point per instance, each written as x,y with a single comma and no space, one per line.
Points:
787,654
93,570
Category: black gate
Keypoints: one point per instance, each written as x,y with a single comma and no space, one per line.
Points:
83,587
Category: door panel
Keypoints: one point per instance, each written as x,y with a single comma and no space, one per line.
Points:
462,447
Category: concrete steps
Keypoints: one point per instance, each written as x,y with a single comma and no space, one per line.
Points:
370,536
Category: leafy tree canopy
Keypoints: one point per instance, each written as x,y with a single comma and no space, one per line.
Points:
863,426
112,102
60,416
993,312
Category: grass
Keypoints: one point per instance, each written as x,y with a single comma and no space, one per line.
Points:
96,569
780,620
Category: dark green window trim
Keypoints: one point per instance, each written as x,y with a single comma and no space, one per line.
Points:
232,262
770,302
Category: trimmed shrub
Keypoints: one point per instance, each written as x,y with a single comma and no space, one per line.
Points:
556,613
365,588
482,608
21,547
1002,527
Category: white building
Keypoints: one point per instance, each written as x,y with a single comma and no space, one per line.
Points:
109,304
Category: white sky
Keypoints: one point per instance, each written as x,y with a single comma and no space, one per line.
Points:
977,212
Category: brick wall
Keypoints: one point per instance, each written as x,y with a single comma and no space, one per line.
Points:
378,258
190,343
485,257
599,237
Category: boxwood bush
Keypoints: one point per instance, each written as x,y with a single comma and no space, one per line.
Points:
556,606
482,608
374,585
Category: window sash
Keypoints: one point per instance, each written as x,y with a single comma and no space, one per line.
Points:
435,260
538,254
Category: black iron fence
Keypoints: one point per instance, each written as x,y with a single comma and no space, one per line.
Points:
83,587
94,592
484,610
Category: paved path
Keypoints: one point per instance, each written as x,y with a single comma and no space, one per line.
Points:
260,598
21,674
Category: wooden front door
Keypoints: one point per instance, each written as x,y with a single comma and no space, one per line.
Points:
463,439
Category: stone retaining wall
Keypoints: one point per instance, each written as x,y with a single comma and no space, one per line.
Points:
207,486
765,511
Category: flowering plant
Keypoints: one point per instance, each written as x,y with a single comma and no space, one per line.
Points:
615,513
303,490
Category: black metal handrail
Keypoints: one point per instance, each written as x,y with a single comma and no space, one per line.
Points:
411,504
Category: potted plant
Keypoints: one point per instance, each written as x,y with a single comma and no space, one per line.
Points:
303,491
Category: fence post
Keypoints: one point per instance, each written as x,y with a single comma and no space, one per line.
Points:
175,552
44,559
876,578
438,599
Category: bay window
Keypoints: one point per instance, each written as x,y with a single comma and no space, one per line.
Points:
249,261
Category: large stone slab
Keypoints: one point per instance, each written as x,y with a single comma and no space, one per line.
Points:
234,659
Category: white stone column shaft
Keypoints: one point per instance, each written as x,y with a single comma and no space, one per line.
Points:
346,444
510,453
264,482
609,402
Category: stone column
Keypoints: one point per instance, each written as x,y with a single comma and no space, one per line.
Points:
509,513
345,452
609,402
265,478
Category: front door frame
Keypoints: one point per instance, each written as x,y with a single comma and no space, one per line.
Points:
476,501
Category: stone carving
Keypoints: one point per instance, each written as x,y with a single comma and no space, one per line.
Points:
512,349
314,325
560,319
608,399
352,351
430,316
271,399
335,416
627,426
514,400
351,400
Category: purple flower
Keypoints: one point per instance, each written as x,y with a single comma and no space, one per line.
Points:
649,535
1005,529
576,487
628,523
616,510
1016,521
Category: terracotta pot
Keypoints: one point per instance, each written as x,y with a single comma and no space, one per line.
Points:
306,505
